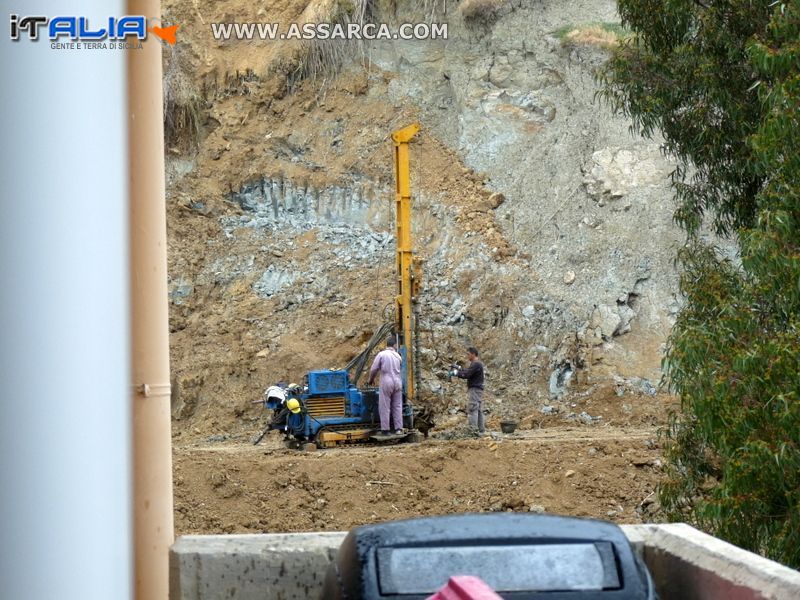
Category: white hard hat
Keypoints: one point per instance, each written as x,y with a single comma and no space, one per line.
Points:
275,392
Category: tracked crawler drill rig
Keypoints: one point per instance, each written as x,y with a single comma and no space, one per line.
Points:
329,408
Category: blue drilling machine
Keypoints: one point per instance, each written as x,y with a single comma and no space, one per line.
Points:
329,408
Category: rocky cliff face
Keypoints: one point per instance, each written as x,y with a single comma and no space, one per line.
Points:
545,225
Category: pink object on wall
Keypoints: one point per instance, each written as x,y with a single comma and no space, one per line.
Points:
465,587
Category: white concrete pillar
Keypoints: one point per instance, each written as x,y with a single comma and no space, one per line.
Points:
65,461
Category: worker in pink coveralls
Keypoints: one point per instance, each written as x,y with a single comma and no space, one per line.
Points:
390,397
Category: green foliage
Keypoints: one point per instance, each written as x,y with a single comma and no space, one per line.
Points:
687,73
733,455
721,81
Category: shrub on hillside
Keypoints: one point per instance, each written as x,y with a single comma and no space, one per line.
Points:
721,82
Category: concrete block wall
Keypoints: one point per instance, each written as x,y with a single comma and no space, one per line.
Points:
692,565
686,565
251,567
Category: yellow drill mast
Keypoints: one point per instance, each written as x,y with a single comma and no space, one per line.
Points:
408,267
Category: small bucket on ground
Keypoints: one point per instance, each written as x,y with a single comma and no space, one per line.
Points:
508,426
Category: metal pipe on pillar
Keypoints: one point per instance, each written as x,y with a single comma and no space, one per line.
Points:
152,452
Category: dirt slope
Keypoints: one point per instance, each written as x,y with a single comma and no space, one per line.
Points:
231,488
607,469
544,225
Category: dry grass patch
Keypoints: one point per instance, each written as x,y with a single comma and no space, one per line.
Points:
482,12
183,103
320,58
600,35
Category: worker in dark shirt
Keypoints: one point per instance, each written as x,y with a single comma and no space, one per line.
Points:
473,373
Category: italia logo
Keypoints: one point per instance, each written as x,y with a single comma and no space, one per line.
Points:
78,29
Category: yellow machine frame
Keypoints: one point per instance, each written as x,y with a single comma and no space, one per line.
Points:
409,268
